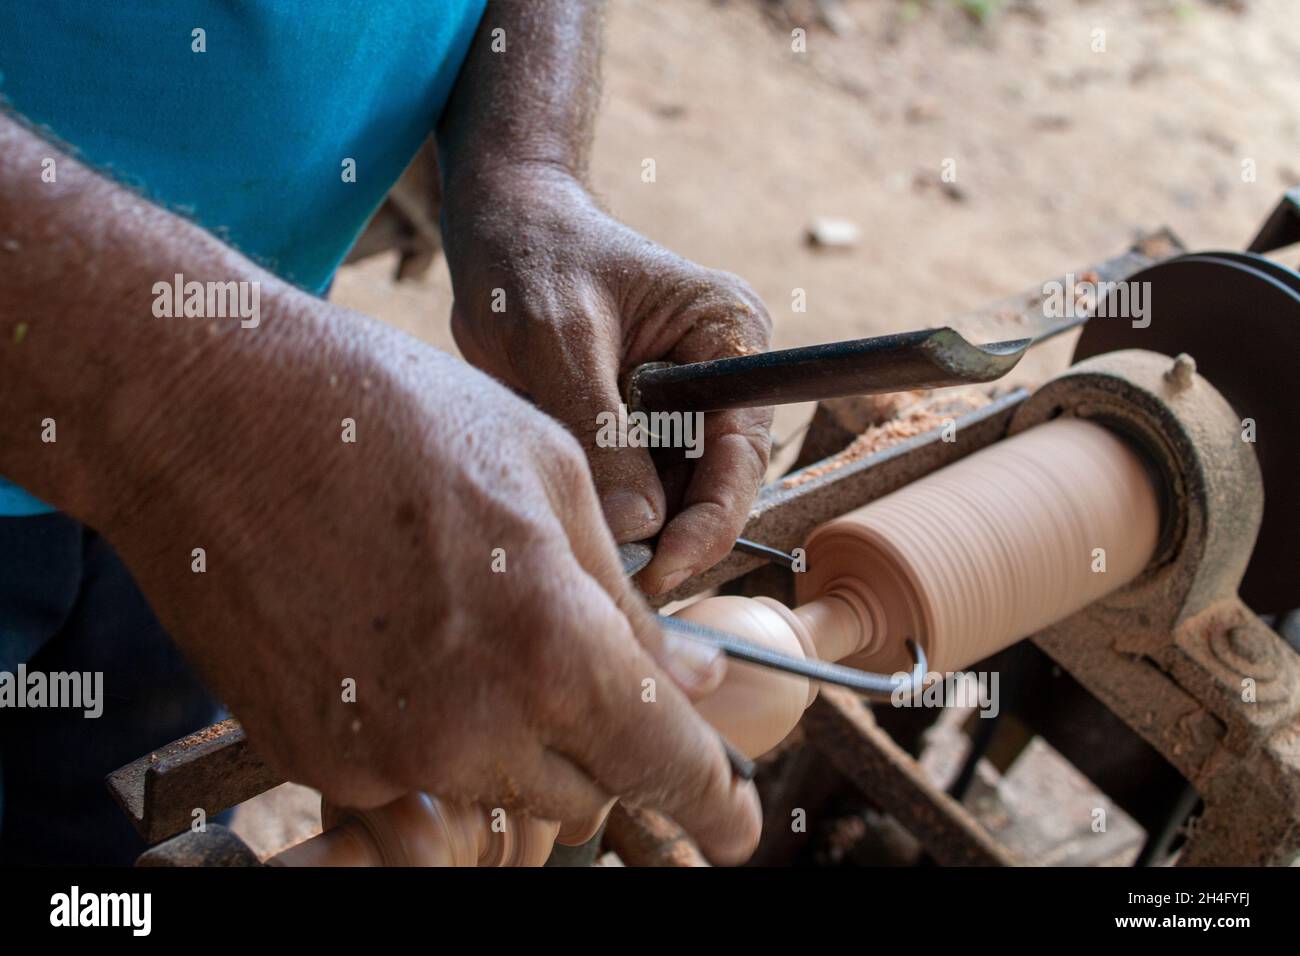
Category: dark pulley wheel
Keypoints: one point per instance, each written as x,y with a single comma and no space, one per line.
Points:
1238,316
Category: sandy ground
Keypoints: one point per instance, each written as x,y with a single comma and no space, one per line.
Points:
1062,154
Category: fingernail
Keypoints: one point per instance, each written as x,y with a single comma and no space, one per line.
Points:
629,515
693,664
674,579
578,832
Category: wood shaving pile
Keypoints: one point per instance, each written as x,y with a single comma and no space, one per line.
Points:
920,418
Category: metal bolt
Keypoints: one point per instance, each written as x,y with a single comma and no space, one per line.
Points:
1180,373
1247,644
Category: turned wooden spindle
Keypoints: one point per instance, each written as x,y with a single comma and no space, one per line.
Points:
991,549
965,561
755,707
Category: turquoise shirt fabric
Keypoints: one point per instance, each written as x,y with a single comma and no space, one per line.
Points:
248,138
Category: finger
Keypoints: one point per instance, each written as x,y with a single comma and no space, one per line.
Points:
652,748
728,319
579,386
353,787
551,787
737,445
697,668
578,830
642,741
533,779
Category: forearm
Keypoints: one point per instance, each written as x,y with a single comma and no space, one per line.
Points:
80,344
531,104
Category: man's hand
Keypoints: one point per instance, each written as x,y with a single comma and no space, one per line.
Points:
586,298
559,301
451,564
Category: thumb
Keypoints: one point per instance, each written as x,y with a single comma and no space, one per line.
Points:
584,396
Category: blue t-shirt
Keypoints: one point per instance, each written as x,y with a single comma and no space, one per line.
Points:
247,126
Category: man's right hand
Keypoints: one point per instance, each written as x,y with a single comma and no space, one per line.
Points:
452,562
326,562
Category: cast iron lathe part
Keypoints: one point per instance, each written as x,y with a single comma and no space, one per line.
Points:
933,358
1238,315
1282,227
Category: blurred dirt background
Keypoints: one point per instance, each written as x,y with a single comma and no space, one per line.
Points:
1063,154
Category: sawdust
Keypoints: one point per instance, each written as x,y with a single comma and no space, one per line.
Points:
210,733
874,410
1158,246
925,416
1084,284
733,339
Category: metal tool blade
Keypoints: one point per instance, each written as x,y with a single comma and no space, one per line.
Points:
739,649
933,358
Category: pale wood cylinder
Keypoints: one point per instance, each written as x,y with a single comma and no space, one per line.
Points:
754,707
989,550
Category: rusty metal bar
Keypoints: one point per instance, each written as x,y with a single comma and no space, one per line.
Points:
647,838
844,730
211,770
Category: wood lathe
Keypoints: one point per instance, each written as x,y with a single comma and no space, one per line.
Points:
965,562
1109,516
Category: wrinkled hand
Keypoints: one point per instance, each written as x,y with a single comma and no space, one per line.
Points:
512,678
585,301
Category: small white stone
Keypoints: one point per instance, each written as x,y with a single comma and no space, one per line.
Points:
839,233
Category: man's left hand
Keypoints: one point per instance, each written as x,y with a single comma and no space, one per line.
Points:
580,301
